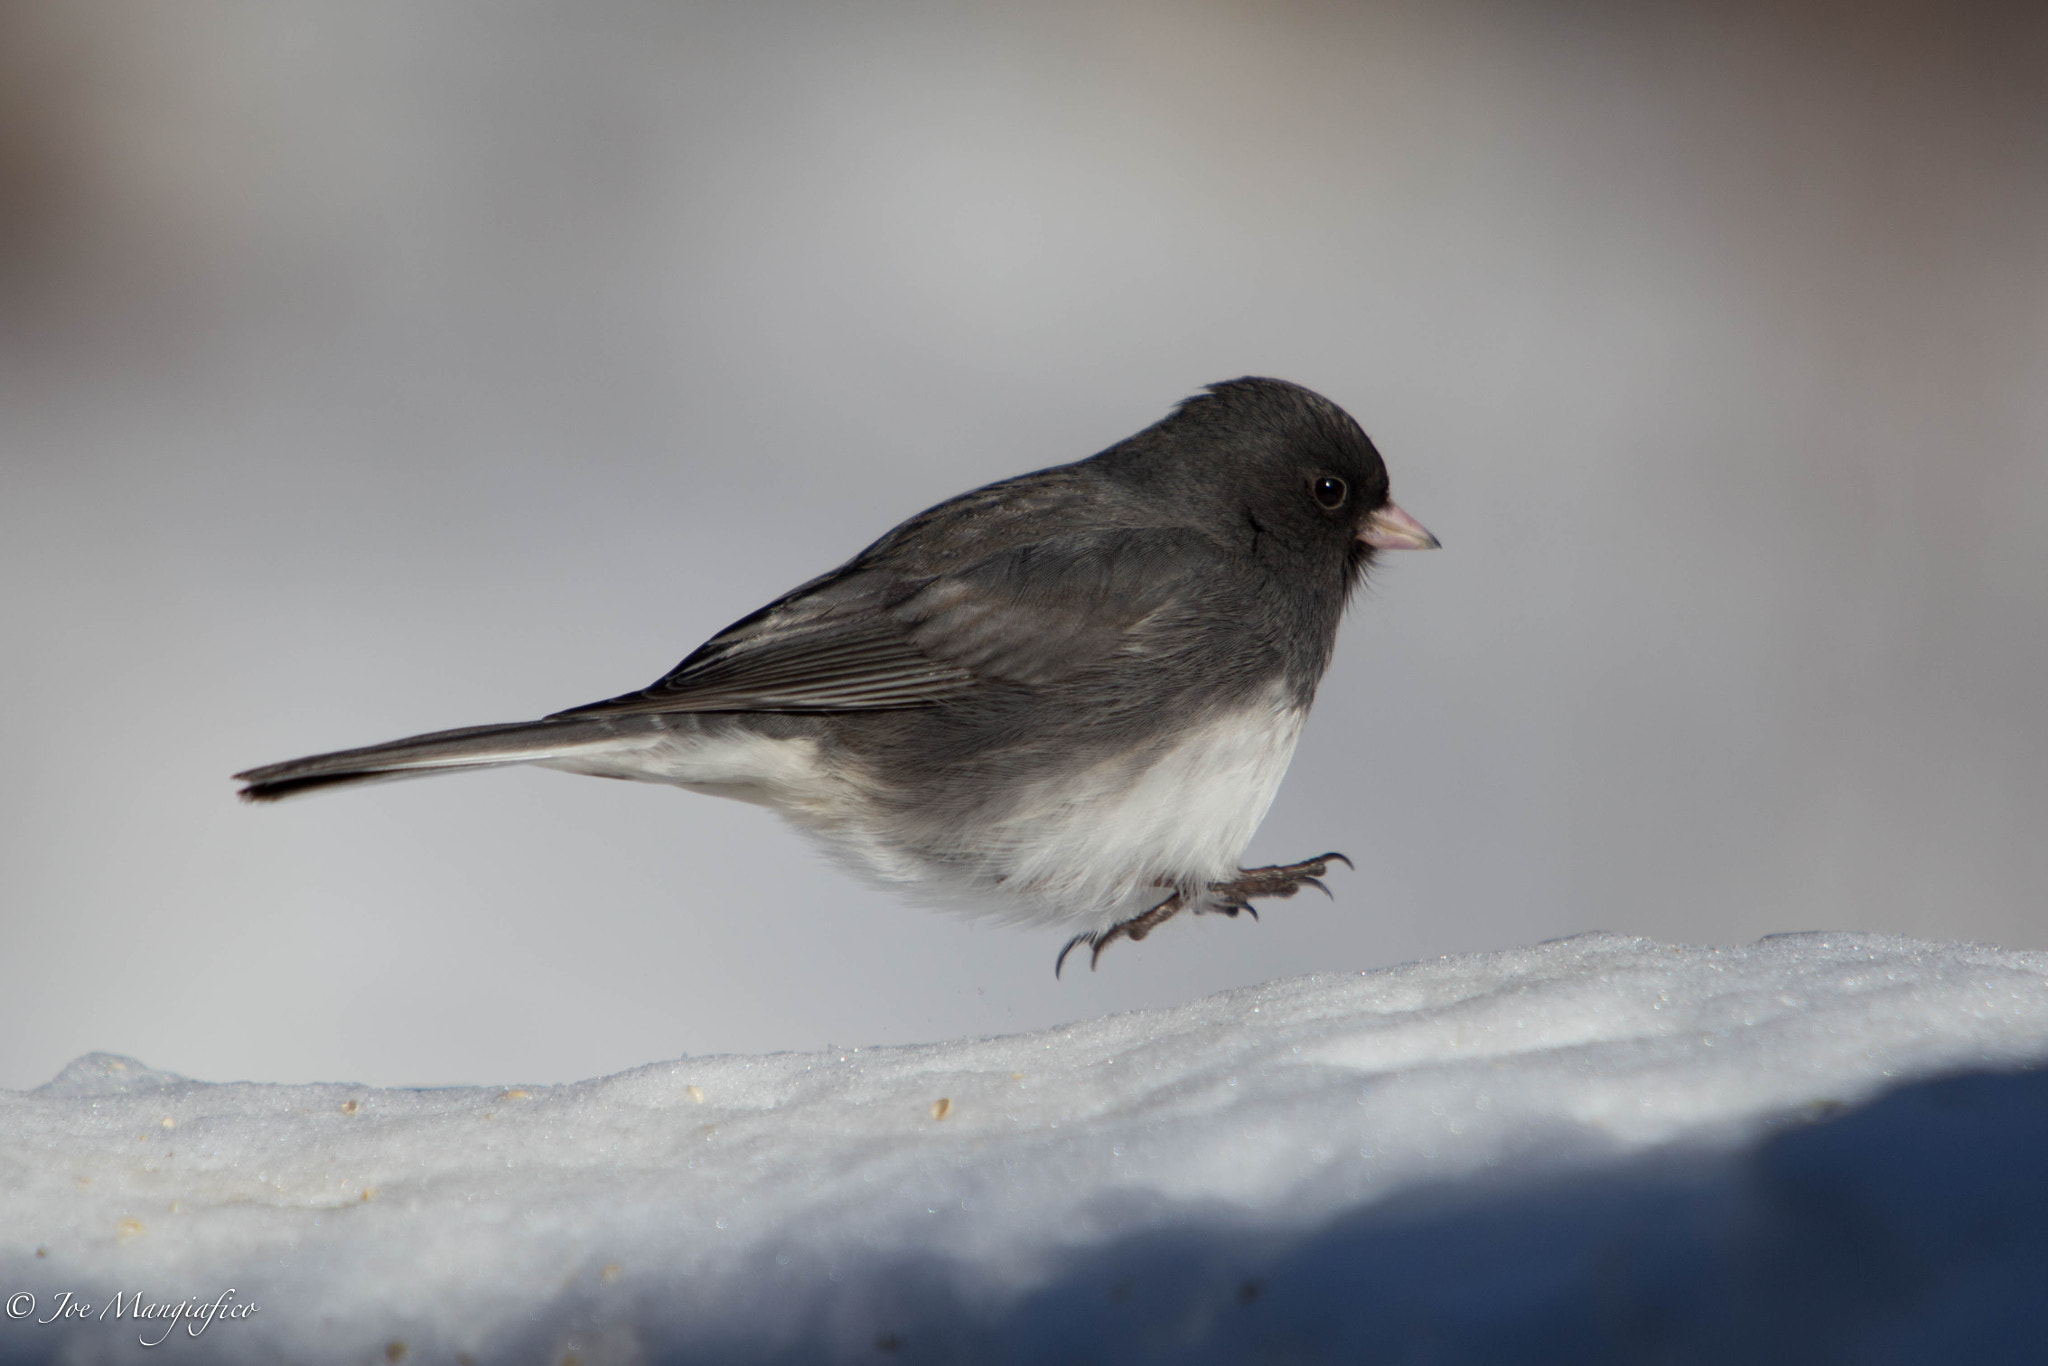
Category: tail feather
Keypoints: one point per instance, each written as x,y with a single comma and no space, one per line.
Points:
418,756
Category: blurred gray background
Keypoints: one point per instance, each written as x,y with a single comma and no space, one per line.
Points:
368,369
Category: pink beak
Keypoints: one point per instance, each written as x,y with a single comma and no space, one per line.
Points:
1389,528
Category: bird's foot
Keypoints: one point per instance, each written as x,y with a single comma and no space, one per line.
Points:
1282,880
1134,929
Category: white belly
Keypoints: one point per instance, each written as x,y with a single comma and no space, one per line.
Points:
1110,842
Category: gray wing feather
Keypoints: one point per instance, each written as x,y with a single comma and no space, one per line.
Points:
850,667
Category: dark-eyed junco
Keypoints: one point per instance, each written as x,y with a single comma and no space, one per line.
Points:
1066,698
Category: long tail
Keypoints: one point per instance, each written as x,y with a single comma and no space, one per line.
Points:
417,756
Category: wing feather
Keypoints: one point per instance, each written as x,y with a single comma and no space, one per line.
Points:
838,665
900,627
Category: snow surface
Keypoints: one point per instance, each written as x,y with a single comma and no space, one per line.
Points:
1597,1149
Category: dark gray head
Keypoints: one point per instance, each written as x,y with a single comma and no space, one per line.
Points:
1280,466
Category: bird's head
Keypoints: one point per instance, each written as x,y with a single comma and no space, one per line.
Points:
1278,467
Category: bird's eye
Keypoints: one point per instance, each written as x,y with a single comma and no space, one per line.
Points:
1330,491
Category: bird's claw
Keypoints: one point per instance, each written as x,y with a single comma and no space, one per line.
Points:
1229,908
1061,961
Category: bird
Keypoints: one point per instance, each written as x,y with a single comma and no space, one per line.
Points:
1063,699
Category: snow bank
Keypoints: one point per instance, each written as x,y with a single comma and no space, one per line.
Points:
1595,1149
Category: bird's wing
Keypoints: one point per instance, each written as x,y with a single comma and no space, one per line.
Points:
898,630
1041,612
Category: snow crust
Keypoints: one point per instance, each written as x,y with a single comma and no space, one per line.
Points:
1593,1149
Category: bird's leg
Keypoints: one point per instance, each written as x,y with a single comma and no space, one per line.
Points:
1281,880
